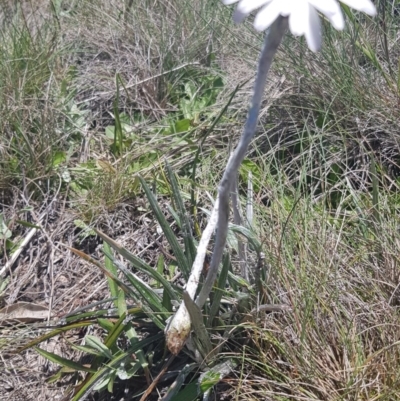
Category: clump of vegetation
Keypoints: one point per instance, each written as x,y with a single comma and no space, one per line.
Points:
116,121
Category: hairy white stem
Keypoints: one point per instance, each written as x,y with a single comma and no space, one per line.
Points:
178,329
272,41
237,219
249,203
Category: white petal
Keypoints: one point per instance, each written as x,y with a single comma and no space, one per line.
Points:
313,33
267,16
365,6
298,19
229,2
245,7
337,21
326,7
332,10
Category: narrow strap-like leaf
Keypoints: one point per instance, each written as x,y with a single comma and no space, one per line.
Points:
190,247
88,385
116,292
199,328
183,263
138,264
177,384
220,290
63,361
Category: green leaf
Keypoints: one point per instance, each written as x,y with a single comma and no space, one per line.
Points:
237,281
248,234
87,315
177,384
199,329
160,268
209,380
27,224
215,306
116,292
139,264
55,378
5,232
110,131
116,330
96,343
105,324
189,393
113,365
88,258
166,302
58,158
63,361
103,383
118,144
190,247
115,333
213,376
183,263
84,349
110,384
147,295
54,333
151,303
121,303
182,125
249,166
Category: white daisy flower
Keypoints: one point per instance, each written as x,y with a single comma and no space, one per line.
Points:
303,15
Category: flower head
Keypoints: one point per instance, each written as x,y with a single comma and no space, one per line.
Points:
302,14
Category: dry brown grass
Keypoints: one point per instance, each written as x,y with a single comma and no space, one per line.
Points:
327,258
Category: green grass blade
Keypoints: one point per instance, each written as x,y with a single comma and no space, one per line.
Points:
190,247
129,291
166,301
249,234
220,290
109,342
183,263
113,286
105,324
118,133
138,264
189,393
237,281
95,343
199,329
63,362
213,376
120,301
84,349
89,384
54,333
76,315
160,268
147,295
177,384
132,336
